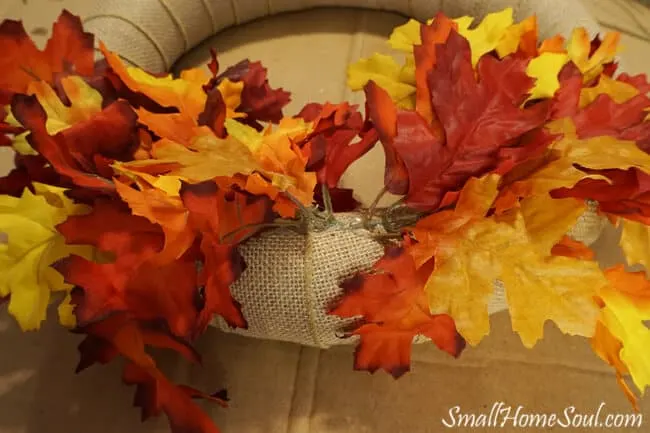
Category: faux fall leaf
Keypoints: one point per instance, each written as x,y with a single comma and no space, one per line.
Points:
259,101
69,50
220,215
83,152
625,312
32,245
472,251
119,335
329,145
490,118
392,304
149,293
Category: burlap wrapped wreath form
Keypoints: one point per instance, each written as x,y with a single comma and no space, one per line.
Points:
292,277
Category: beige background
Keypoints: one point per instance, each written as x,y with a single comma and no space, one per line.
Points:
281,387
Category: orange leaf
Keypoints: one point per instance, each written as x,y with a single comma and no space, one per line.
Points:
392,302
164,210
68,50
569,247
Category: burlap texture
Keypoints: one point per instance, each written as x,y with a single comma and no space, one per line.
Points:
291,278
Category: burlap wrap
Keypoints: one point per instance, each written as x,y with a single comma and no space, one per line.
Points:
292,278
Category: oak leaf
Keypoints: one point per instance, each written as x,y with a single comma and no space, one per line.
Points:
393,307
472,250
119,335
625,312
83,152
473,134
32,245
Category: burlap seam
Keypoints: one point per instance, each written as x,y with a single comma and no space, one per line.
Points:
177,24
308,274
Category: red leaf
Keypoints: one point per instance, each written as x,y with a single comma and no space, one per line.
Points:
214,114
330,146
425,59
155,394
259,100
624,121
28,169
216,212
68,50
393,305
147,293
71,152
342,199
479,117
627,194
112,228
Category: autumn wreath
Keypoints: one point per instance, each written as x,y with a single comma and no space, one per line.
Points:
133,194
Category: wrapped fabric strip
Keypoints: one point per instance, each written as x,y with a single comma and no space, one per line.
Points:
153,34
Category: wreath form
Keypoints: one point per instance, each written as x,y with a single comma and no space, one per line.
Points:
128,184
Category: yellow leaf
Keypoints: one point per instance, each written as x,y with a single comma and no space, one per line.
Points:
487,35
635,242
231,93
627,307
247,135
185,93
33,245
538,288
579,47
385,71
509,42
547,219
206,158
404,37
619,91
545,69
472,251
599,153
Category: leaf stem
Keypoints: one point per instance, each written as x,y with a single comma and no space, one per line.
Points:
373,206
327,201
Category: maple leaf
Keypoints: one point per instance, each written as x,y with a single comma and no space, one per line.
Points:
472,250
68,50
391,301
329,145
626,308
491,119
84,151
32,245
